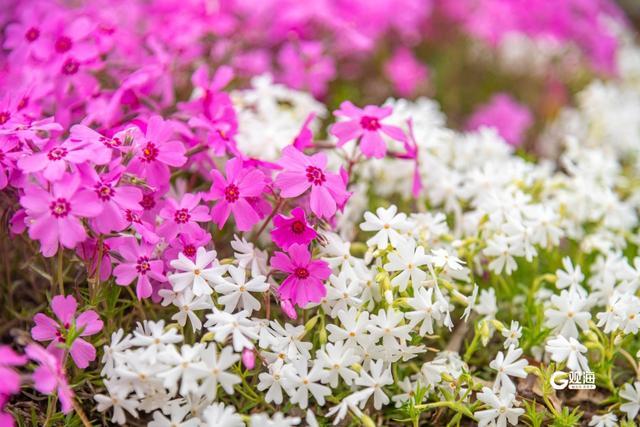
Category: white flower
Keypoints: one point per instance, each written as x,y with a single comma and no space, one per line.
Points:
569,350
277,420
176,418
343,292
501,409
499,248
199,276
512,334
118,400
216,368
303,382
375,380
274,381
248,256
604,420
568,312
185,365
336,359
407,258
388,225
236,291
188,304
119,343
631,393
154,337
508,366
354,327
241,329
386,325
570,277
425,310
441,258
218,415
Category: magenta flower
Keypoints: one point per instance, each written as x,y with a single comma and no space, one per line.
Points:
304,66
139,263
54,158
54,218
157,152
115,200
235,193
366,125
9,151
68,327
510,118
49,376
182,218
89,252
293,229
301,172
405,72
9,378
304,283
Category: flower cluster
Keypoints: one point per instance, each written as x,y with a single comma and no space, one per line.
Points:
213,218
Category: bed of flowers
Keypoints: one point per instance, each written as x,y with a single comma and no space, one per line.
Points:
278,213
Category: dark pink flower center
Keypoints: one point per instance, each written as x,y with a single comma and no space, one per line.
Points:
70,66
315,175
132,216
60,207
150,152
23,102
63,44
222,134
301,273
57,153
370,123
231,193
143,265
189,251
4,117
298,227
59,337
104,191
182,216
111,142
148,202
32,34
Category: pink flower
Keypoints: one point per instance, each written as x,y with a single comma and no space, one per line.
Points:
301,172
248,358
9,151
235,193
68,327
54,159
293,229
288,309
115,200
304,66
182,218
9,378
187,245
510,118
49,376
366,125
139,263
405,72
304,282
54,217
89,252
157,152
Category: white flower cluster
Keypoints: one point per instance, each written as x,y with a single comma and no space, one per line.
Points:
484,216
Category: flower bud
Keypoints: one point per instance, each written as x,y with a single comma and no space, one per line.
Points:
288,309
248,358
